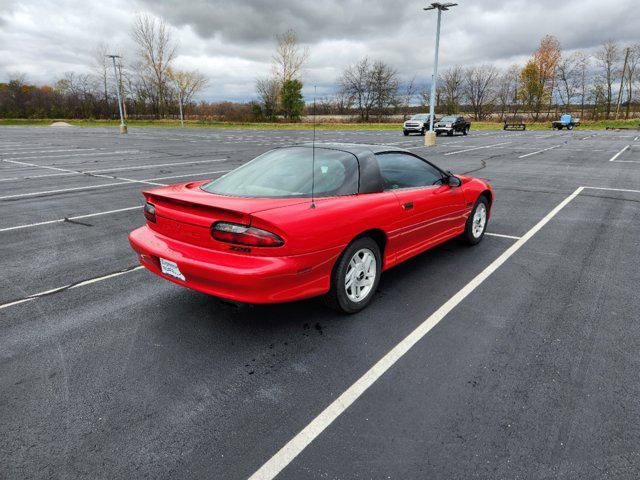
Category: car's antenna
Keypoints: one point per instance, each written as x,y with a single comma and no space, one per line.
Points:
313,151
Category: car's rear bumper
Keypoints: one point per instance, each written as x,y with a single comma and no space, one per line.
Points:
236,276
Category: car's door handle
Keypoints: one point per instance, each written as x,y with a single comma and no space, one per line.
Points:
407,206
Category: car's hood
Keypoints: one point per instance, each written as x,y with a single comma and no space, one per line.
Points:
416,121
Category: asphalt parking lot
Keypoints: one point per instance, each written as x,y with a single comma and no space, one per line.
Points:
530,371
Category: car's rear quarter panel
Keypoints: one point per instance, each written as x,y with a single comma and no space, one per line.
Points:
333,223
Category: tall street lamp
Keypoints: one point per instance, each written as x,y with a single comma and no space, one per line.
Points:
123,127
430,137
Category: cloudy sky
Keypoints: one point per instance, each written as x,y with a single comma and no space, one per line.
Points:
231,41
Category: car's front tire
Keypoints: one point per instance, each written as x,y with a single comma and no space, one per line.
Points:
477,221
406,134
355,277
423,131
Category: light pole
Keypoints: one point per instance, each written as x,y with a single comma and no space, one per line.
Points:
180,105
123,127
430,137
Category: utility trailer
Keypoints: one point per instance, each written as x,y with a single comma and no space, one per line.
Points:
566,121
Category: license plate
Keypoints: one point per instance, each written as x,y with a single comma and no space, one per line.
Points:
171,268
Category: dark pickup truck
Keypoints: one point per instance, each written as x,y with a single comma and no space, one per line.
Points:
452,124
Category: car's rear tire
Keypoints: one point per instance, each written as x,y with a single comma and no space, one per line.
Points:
355,276
477,222
570,127
465,131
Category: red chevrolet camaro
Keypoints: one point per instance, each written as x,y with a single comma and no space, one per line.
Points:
302,221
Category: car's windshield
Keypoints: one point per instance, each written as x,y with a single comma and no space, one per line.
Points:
287,172
448,119
421,116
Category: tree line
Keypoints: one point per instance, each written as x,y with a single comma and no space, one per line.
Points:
149,83
602,85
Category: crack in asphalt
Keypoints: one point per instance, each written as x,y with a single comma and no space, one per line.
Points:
77,222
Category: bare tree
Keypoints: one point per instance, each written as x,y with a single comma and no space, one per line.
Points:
356,83
452,81
633,63
608,57
479,89
289,57
101,70
187,84
425,94
343,101
156,50
507,90
569,78
407,96
384,83
370,84
582,66
268,90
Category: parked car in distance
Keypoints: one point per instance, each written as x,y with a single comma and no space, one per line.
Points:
452,124
419,123
566,121
303,221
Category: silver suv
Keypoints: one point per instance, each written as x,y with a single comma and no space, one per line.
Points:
419,123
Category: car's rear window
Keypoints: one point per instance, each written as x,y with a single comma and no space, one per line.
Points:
287,172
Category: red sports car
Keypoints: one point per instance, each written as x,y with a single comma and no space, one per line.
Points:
302,221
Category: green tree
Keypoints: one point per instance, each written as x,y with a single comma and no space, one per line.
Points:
291,99
531,88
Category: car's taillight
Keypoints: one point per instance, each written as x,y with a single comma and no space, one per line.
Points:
244,235
150,212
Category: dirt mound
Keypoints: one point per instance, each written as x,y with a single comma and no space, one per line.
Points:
60,124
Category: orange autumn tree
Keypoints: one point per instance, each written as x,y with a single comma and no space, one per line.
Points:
537,78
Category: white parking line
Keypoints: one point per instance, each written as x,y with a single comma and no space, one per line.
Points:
477,148
613,159
49,151
498,235
539,151
75,189
614,189
298,443
197,174
76,217
142,167
67,172
636,139
71,286
119,152
89,215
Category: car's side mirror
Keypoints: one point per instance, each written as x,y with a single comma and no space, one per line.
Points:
454,181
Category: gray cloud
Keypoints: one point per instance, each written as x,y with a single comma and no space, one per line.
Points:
259,20
232,41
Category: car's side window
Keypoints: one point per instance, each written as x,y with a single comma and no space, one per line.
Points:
402,170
